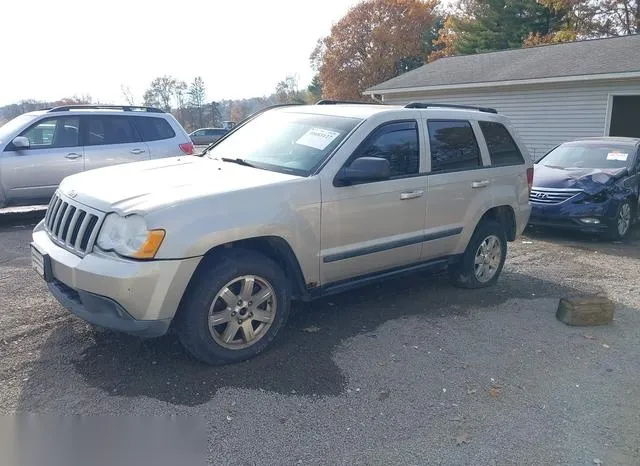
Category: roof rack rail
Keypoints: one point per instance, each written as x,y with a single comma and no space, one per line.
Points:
125,108
464,107
337,102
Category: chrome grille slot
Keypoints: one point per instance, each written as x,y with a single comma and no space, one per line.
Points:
72,225
552,196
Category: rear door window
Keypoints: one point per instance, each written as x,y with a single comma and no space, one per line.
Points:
106,129
502,148
154,129
453,146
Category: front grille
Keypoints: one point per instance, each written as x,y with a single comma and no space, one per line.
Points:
551,196
72,225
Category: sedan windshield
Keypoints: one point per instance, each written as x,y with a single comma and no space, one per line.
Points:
605,156
284,141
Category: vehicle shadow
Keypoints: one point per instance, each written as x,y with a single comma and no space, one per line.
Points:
299,362
629,247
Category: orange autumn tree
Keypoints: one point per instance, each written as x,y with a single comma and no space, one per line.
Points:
375,41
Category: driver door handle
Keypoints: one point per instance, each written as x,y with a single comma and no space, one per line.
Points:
136,151
411,195
73,155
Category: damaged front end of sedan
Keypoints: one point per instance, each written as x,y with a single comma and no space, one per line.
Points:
592,200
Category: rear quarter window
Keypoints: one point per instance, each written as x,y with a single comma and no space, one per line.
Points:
503,150
153,128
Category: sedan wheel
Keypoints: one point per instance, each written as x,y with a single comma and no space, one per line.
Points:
624,219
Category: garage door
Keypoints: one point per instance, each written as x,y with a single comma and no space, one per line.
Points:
625,116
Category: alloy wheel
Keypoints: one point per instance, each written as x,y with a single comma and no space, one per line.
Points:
487,259
624,219
242,312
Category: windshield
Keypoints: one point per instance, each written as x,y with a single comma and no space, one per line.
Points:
589,156
288,142
10,127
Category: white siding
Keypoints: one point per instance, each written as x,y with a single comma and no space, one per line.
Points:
544,116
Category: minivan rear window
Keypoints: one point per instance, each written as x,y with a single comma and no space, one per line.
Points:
153,128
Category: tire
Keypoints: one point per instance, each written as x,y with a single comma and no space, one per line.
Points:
489,234
622,222
208,299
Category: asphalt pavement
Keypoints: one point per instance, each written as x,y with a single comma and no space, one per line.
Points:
412,371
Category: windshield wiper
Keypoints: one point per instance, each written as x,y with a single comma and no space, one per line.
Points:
238,161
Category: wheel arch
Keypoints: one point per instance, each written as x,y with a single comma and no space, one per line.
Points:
504,215
273,247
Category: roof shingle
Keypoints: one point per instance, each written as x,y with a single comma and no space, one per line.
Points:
589,57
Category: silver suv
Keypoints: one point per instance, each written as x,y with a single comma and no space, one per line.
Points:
295,203
39,149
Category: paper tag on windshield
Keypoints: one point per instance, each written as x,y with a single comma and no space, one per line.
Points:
317,138
621,156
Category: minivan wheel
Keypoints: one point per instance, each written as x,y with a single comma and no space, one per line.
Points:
483,259
622,222
234,307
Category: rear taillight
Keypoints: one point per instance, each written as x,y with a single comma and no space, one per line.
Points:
530,178
187,148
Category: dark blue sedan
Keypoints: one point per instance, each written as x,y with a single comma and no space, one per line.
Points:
592,185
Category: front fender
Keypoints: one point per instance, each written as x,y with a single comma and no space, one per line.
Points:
290,211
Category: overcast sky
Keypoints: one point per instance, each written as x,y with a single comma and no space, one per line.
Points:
55,49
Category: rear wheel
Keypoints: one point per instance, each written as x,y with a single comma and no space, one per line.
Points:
483,259
621,225
234,308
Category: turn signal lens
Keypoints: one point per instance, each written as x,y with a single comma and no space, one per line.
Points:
151,245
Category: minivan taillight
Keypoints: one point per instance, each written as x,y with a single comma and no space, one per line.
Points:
187,148
530,178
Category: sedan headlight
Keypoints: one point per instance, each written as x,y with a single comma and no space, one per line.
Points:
597,198
129,236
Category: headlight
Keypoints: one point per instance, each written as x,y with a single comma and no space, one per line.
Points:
597,198
129,236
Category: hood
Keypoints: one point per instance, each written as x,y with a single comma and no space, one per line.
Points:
590,180
140,187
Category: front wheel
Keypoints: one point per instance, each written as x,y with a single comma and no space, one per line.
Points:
483,259
234,308
622,223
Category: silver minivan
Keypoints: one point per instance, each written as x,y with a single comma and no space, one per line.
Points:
39,149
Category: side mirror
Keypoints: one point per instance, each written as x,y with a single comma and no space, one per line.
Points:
364,169
21,142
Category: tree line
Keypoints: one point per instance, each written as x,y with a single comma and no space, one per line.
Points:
379,39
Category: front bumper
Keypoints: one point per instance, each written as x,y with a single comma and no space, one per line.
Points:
568,216
137,297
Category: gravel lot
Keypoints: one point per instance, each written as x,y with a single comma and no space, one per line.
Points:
410,372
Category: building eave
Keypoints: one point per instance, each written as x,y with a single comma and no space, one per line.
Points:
518,82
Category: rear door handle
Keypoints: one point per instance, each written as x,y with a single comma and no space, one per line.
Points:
136,151
480,184
73,155
411,195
